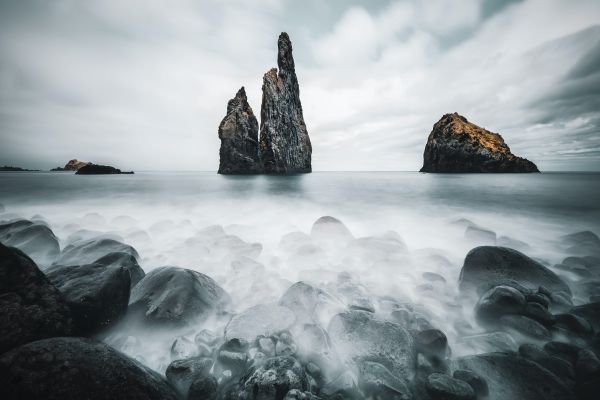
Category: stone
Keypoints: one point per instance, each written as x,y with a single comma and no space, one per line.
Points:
539,313
509,376
88,251
477,235
590,312
97,294
183,348
31,308
525,326
432,343
95,169
457,145
310,304
182,373
275,378
285,146
34,239
238,133
477,383
493,341
260,320
126,261
444,387
556,365
330,229
499,301
77,368
359,335
173,296
573,324
72,165
376,381
203,388
486,265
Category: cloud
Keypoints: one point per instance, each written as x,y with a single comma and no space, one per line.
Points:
144,86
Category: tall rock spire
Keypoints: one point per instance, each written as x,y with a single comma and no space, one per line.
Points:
284,143
239,138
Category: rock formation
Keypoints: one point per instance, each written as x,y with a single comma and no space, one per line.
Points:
457,145
284,143
239,138
72,165
95,169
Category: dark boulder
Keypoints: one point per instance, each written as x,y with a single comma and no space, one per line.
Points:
477,383
377,382
512,377
444,387
457,145
488,265
284,142
583,243
34,239
590,312
95,169
97,294
523,325
238,132
77,368
432,343
31,308
361,336
182,373
123,260
176,297
204,388
499,301
274,379
88,251
558,366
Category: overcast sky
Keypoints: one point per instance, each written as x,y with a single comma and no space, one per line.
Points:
143,85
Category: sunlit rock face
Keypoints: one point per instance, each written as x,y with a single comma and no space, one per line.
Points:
457,145
238,132
284,143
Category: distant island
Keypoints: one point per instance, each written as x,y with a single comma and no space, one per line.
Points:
284,146
95,169
457,145
72,165
8,168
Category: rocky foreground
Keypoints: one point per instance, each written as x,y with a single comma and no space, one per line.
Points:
284,146
457,145
81,321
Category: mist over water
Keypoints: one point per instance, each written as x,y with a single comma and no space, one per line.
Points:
234,229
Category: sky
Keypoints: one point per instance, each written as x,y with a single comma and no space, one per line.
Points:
143,85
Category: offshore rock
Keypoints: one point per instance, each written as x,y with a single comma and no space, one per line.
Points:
238,132
457,145
284,143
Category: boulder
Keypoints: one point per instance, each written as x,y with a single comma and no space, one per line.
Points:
489,265
377,382
284,143
457,145
590,312
310,304
88,251
77,368
97,294
512,377
31,308
444,387
360,336
499,301
204,388
173,296
477,383
525,326
238,132
330,230
34,239
182,373
274,379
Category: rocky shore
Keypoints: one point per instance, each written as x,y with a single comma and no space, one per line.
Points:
83,320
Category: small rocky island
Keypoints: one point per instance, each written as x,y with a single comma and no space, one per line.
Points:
95,169
284,146
72,165
457,145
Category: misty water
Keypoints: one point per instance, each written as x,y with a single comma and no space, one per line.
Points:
237,231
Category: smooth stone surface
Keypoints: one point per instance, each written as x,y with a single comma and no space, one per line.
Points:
182,373
263,319
477,383
174,296
512,377
444,387
499,301
275,378
77,368
88,251
525,326
34,239
204,388
489,265
31,308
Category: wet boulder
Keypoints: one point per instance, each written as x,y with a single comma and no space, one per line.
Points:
558,366
31,308
590,312
376,381
77,368
274,379
432,343
360,336
174,296
97,294
486,342
512,377
203,388
182,373
88,251
582,243
260,320
444,387
330,230
522,325
34,239
499,301
310,304
183,348
123,260
477,383
481,236
489,265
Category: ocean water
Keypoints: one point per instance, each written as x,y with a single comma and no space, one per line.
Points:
212,223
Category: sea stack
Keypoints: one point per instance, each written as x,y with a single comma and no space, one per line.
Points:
238,132
457,145
284,143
